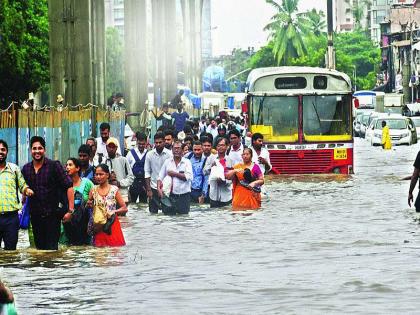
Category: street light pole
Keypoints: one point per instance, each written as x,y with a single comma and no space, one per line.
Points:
355,77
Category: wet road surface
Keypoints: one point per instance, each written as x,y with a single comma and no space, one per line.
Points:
321,244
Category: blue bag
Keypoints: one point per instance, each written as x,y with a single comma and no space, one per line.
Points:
24,218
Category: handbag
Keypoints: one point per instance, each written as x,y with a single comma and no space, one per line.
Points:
99,213
24,218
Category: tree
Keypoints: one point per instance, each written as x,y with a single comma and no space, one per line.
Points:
263,57
237,62
24,55
355,50
287,29
316,50
114,62
316,24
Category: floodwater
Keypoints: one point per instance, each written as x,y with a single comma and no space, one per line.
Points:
320,244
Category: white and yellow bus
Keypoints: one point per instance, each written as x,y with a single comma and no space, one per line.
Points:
305,116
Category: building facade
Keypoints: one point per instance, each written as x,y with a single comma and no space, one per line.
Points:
400,45
114,15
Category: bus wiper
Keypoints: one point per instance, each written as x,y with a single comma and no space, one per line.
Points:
260,107
316,112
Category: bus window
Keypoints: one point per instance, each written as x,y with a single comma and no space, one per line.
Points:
326,115
278,112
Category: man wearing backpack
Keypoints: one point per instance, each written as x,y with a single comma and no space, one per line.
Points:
51,187
136,158
11,184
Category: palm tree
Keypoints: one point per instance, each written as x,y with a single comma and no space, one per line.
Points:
287,28
316,22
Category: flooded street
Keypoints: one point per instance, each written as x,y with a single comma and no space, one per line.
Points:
320,244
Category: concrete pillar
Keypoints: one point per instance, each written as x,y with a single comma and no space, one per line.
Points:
164,48
136,76
57,44
192,12
171,51
98,52
72,50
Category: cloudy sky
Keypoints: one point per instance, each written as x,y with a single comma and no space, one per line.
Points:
240,23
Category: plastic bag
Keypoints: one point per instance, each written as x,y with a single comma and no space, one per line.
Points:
217,172
24,218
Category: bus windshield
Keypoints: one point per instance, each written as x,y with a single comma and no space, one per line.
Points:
326,116
276,117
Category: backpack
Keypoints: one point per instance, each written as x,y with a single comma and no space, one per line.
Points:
138,167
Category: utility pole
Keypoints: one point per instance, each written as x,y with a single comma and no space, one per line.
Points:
330,58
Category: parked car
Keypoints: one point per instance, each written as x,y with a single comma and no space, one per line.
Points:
363,124
416,121
401,129
373,120
357,123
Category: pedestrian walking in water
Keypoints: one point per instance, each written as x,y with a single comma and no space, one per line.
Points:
260,155
386,137
152,167
11,184
248,179
51,187
220,186
76,223
86,170
101,152
121,173
136,157
108,204
179,170
413,183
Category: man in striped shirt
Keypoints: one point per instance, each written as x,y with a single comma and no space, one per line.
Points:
11,183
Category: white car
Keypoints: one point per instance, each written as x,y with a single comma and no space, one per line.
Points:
401,130
356,124
416,121
373,119
363,124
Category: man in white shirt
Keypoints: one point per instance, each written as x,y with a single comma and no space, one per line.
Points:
101,152
260,155
152,166
221,188
236,148
179,169
212,129
136,157
121,173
